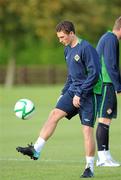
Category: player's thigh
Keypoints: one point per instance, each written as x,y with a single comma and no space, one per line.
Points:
56,114
65,104
107,106
87,111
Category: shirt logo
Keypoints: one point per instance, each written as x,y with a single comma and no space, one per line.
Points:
104,146
109,111
67,57
87,120
76,57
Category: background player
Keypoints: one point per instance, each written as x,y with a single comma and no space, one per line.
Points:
108,50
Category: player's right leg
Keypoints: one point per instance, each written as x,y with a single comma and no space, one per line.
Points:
63,108
33,151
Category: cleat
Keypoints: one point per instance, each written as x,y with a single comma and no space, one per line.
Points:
108,163
87,173
29,151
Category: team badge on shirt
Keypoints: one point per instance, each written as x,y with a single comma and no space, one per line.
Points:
76,57
109,111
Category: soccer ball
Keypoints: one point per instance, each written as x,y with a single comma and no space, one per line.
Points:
24,109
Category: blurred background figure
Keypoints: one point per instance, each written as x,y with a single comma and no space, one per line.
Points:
108,50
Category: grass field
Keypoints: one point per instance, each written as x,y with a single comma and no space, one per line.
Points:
63,155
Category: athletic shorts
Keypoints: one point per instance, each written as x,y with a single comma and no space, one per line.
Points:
86,112
107,102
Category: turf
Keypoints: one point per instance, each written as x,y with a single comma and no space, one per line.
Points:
63,155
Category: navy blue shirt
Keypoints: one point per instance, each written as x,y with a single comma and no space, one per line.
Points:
108,51
83,68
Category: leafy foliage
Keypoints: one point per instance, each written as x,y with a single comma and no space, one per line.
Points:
36,20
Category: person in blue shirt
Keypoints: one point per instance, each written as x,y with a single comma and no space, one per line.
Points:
77,96
108,51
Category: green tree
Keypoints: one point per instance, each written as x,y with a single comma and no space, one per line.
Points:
20,18
12,31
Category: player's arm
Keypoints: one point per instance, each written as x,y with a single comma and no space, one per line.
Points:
111,59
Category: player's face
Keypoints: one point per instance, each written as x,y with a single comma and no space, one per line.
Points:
64,38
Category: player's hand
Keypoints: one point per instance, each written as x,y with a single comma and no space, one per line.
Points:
76,101
59,97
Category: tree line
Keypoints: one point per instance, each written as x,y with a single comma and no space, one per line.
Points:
27,29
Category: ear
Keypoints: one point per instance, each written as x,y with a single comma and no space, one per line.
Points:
71,33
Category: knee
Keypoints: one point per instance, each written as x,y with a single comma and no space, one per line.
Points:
88,132
53,113
56,115
105,121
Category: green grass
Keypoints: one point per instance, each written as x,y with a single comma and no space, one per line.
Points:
63,155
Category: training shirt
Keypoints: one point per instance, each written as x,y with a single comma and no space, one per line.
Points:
108,51
83,68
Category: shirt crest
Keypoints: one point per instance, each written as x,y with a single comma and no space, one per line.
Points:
76,57
109,111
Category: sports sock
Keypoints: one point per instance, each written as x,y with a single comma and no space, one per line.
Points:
102,156
102,137
90,162
108,155
39,144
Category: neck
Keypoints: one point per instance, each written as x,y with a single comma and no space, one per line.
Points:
117,34
74,41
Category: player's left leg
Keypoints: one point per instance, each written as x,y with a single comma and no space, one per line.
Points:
88,115
89,143
102,137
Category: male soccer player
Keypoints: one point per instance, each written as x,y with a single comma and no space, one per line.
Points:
108,50
77,95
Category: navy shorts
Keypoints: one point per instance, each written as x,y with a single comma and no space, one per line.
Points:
107,102
87,110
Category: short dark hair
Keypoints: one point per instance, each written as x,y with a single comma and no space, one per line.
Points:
65,26
117,24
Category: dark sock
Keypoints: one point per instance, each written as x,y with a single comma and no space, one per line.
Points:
102,137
